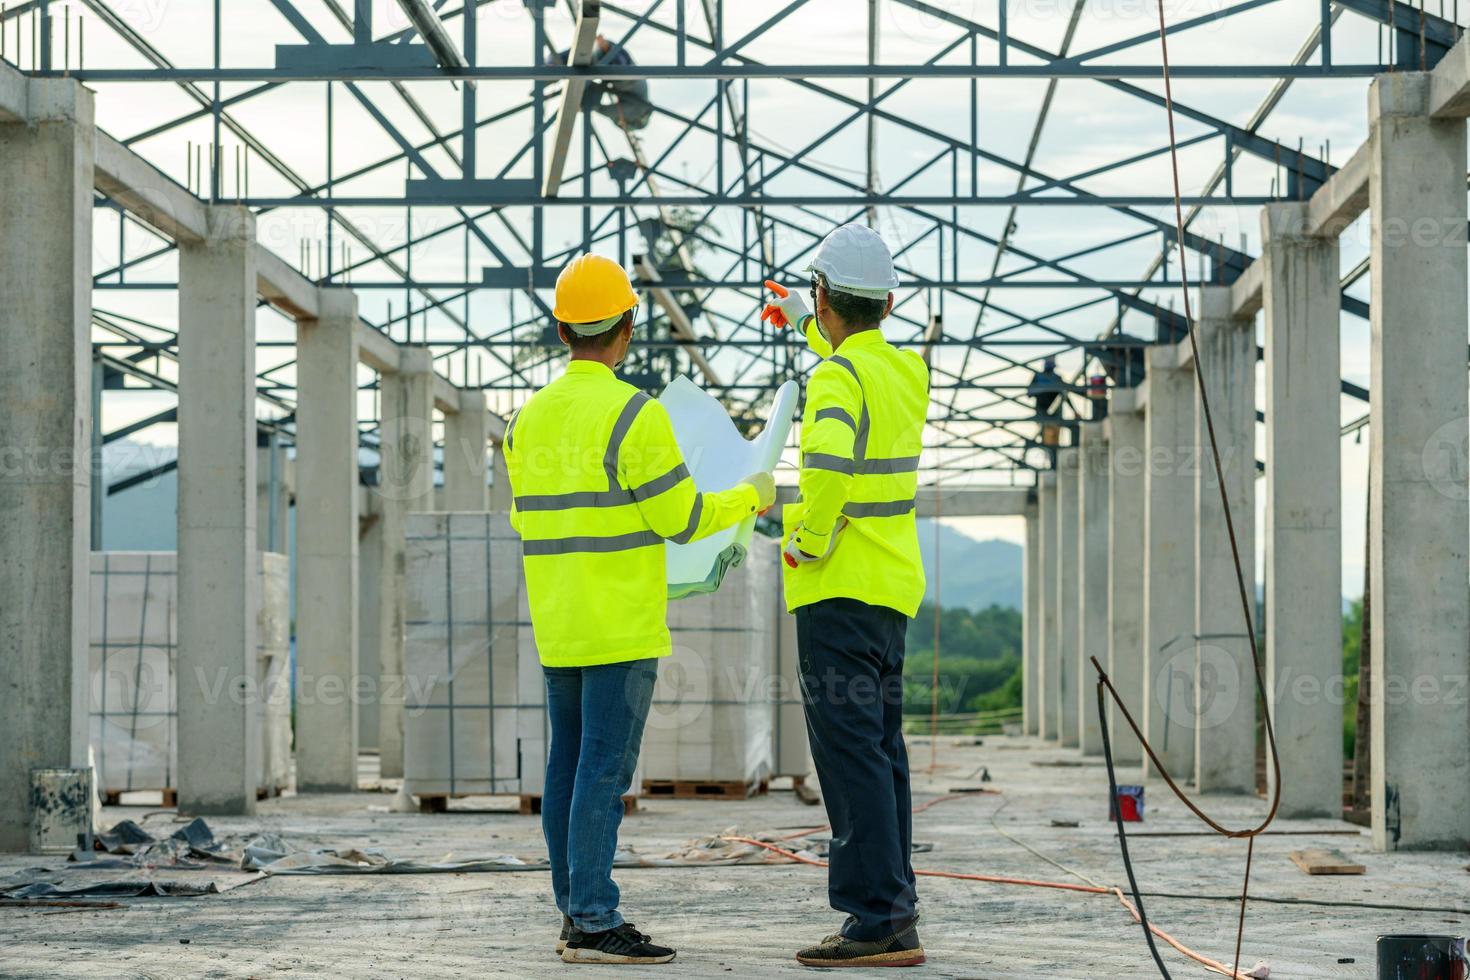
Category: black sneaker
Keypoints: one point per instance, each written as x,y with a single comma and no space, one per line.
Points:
624,944
566,931
900,949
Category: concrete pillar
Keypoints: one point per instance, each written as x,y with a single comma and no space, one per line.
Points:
1068,577
1168,588
46,168
500,488
218,568
1048,658
1225,679
1092,636
1418,493
327,692
1126,459
1031,626
1303,538
369,584
405,485
466,443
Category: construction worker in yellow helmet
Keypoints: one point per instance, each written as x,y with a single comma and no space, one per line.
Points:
854,579
598,486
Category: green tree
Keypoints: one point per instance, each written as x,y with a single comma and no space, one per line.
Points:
1352,655
979,665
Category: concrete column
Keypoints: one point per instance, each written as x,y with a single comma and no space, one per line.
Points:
327,693
369,584
218,567
405,485
1225,680
1125,432
1092,635
1048,657
466,443
1031,626
1068,578
1168,588
1418,494
46,168
1303,538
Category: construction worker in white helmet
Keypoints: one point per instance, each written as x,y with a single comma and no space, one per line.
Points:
598,486
854,579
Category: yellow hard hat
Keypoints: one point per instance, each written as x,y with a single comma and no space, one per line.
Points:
593,291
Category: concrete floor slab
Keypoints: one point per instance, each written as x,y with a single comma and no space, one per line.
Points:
747,921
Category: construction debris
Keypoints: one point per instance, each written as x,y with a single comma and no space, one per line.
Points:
1326,861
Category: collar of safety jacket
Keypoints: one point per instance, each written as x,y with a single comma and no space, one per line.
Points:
863,338
588,367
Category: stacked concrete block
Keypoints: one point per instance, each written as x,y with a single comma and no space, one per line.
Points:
791,751
467,693
133,671
712,717
475,698
133,713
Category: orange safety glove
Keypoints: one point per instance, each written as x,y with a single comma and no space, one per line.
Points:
788,309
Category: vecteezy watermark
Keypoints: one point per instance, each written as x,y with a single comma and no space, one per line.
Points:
1159,461
135,688
222,686
1446,459
942,20
1198,686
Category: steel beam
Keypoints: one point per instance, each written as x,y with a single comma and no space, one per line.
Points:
679,323
426,21
571,96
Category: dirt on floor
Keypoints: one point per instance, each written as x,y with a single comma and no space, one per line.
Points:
1045,821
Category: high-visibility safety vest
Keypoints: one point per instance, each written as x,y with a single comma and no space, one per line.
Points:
599,484
861,435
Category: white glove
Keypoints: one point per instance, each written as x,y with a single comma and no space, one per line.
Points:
787,309
765,490
794,555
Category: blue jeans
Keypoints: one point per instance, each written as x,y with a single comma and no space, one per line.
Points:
597,716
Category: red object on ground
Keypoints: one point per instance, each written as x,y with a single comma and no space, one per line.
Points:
1129,802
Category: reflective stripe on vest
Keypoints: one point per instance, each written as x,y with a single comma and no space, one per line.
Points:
567,546
860,464
614,496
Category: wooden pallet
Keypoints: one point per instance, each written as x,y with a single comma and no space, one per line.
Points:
693,789
531,804
113,797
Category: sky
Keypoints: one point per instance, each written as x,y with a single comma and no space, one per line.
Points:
1091,124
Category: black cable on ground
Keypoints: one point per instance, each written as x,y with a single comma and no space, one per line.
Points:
1102,718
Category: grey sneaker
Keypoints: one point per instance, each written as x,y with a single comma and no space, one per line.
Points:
900,949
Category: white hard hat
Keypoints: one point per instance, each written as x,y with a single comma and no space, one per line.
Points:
854,259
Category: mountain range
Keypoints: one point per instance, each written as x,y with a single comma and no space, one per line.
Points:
975,574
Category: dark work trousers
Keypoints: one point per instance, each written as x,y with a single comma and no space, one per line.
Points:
851,658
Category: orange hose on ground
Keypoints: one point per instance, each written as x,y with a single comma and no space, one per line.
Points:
1204,961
